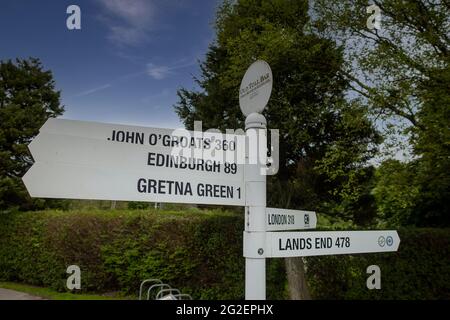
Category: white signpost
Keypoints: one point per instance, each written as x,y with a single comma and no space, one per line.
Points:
259,244
128,157
283,219
57,180
318,243
254,94
88,160
201,143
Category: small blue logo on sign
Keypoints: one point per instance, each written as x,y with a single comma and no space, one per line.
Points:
381,241
389,241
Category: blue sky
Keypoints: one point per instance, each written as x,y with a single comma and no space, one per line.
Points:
127,61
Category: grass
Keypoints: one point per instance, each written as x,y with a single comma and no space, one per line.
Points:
54,295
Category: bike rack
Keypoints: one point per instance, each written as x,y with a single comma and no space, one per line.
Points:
170,290
142,285
181,295
173,294
163,285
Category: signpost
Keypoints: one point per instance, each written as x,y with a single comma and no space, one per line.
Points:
259,244
318,243
58,180
283,219
254,94
200,143
126,157
88,160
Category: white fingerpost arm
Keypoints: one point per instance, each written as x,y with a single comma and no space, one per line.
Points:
255,210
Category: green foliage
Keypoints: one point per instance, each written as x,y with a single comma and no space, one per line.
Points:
199,252
332,222
27,99
325,141
419,270
433,146
402,71
414,193
395,193
389,65
133,205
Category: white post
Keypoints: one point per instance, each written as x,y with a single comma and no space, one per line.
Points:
255,210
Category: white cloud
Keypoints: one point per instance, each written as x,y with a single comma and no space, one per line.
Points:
91,91
125,35
135,12
162,71
129,21
157,72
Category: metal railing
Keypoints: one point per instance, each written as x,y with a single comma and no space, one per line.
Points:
166,292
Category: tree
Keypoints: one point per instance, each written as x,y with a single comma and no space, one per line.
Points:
394,193
319,130
403,72
432,146
27,99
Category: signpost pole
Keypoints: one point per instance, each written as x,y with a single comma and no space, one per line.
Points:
255,210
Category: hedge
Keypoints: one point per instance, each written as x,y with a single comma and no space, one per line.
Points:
197,251
200,252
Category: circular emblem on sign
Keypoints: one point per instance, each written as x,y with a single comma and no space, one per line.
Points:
389,241
381,241
256,87
306,218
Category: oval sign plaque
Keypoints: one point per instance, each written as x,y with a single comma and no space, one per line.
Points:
256,87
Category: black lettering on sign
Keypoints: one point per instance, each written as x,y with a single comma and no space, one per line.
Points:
280,219
152,139
181,162
214,191
323,243
277,219
295,244
141,186
166,140
207,143
342,242
127,137
169,187
291,219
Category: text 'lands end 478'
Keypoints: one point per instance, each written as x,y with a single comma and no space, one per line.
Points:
317,243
